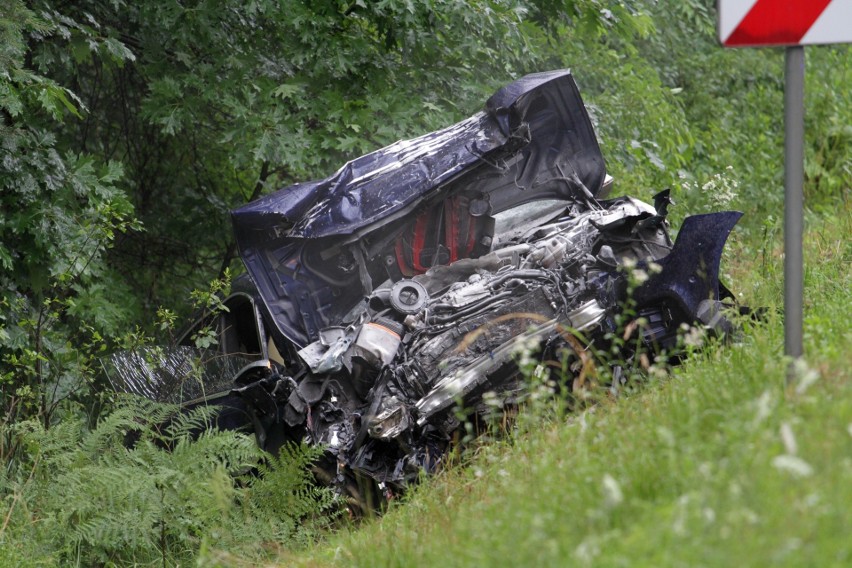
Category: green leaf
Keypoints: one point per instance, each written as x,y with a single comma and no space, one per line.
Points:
287,90
119,52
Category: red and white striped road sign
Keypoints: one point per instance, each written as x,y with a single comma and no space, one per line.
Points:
784,22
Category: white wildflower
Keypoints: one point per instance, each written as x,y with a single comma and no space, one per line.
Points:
585,425
640,276
764,406
681,510
612,491
587,551
805,375
789,439
694,337
793,465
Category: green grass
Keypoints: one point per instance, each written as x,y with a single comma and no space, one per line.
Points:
720,464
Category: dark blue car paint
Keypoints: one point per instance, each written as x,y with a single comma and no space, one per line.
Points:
534,140
690,273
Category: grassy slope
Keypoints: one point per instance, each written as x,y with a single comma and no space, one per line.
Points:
718,465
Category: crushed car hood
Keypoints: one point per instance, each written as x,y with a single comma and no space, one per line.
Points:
314,249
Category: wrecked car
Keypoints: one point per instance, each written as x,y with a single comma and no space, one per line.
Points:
381,299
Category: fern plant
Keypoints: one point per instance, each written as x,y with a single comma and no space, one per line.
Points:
85,497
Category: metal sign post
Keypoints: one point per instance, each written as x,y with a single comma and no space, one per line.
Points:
794,159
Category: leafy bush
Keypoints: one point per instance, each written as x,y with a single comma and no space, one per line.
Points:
61,212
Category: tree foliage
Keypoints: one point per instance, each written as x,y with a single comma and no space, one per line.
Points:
209,104
62,209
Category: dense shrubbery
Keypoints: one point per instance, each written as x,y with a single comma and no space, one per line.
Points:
80,495
126,134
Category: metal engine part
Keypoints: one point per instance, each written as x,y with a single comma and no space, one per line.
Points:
408,296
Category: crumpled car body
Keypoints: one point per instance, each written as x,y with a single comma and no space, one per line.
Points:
381,299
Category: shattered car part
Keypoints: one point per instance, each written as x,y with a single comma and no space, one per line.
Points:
400,287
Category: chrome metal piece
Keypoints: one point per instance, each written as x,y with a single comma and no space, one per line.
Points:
392,421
